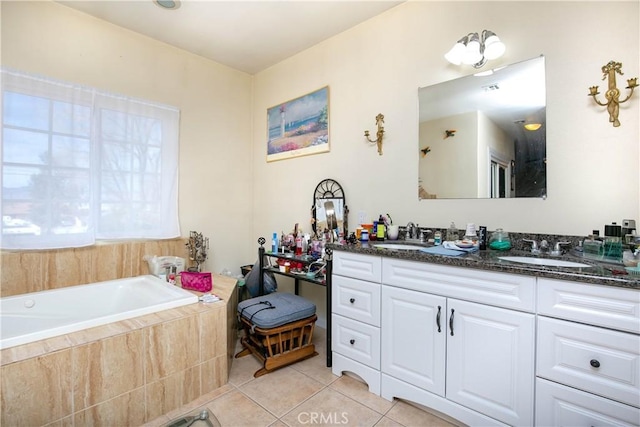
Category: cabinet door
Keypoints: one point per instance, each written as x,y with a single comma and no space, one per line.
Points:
490,361
413,338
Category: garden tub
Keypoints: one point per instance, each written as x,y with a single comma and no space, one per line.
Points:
39,315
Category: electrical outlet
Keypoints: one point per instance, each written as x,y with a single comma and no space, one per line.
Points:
362,217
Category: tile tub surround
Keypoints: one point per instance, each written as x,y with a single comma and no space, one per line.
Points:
599,273
22,272
124,373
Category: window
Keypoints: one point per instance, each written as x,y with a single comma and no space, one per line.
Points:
79,165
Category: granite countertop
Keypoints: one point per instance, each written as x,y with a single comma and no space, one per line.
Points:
599,273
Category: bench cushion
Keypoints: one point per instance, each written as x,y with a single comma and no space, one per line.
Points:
286,308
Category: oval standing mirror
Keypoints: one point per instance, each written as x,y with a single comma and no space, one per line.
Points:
329,211
484,135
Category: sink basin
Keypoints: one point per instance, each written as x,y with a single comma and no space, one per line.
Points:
398,246
549,262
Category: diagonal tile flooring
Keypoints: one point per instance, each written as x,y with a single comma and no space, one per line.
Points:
305,393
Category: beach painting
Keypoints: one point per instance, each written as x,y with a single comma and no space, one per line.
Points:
299,127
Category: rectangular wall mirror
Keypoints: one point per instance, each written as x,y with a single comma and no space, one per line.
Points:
484,135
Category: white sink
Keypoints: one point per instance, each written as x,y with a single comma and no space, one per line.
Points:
544,261
398,246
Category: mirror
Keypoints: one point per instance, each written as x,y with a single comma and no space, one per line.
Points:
472,137
329,212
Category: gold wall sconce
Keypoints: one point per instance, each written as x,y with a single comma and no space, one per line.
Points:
379,133
613,93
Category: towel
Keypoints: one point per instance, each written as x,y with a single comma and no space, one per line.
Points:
439,250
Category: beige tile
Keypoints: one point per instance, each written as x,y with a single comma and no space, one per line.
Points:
316,368
214,373
86,336
20,273
36,391
242,370
34,349
213,332
331,408
293,388
111,261
107,368
200,402
171,347
410,415
388,422
172,392
359,391
124,410
68,267
234,409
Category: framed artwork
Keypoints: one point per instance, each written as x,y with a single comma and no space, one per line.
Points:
299,127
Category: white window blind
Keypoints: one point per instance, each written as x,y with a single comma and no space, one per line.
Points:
79,165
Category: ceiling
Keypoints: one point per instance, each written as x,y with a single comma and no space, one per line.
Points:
249,36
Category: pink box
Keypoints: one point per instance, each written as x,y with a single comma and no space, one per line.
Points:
200,282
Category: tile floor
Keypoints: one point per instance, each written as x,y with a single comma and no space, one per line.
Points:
305,393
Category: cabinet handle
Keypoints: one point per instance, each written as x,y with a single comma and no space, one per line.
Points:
352,300
451,322
352,341
438,319
594,363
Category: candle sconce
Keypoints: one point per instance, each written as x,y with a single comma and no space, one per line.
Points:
613,93
379,133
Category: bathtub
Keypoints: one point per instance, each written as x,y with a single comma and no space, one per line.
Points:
39,315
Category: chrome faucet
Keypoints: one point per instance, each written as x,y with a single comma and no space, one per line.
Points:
411,231
534,246
557,248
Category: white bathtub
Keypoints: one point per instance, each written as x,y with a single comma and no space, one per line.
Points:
40,315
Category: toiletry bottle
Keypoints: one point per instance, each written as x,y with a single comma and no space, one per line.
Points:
381,230
452,233
437,238
274,243
482,240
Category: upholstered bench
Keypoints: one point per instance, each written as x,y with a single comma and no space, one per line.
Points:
278,329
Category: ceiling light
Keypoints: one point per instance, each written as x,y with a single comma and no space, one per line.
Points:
476,50
168,4
532,126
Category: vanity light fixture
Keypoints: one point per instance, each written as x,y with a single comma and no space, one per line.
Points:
613,93
168,4
476,50
532,126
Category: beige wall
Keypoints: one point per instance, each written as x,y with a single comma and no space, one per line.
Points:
231,194
215,190
376,67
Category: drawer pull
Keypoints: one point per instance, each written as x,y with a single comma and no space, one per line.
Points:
451,322
438,319
352,300
352,341
594,363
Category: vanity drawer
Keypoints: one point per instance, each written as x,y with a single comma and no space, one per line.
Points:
356,340
558,405
356,299
357,266
497,289
608,306
592,359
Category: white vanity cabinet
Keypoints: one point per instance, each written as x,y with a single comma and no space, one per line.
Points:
446,346
588,355
355,301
